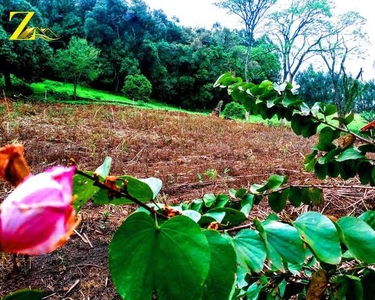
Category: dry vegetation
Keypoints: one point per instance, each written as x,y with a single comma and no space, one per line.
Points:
172,146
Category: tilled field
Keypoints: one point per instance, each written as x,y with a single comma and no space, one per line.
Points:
192,154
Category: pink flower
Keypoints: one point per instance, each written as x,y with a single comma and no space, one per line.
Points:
37,217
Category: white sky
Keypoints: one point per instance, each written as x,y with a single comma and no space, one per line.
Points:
204,13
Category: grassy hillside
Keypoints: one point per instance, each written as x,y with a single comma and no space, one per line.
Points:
55,91
50,90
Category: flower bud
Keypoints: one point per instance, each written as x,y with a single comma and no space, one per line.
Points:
38,217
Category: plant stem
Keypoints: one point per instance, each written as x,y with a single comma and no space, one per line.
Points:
119,194
346,130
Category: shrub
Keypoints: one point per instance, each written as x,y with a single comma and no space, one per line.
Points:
369,116
234,110
137,87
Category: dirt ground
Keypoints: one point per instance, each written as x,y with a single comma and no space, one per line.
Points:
175,147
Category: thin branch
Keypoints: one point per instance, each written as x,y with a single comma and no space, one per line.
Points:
119,194
346,130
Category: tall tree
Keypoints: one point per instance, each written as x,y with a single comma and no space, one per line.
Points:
314,86
28,60
77,61
297,31
251,12
345,40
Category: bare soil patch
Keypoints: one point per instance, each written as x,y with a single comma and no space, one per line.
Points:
172,146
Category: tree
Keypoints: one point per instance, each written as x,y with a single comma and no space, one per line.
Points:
77,61
344,39
137,87
28,60
251,12
297,32
314,86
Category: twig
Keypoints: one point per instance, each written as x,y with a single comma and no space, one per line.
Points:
320,187
72,287
246,226
6,102
48,296
86,265
346,130
88,241
120,194
82,237
137,155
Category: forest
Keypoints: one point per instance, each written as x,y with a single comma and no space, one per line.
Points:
103,43
153,192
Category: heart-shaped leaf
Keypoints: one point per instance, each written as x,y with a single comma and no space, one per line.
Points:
321,235
166,258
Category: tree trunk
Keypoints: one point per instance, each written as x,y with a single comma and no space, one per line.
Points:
117,80
247,60
8,82
75,89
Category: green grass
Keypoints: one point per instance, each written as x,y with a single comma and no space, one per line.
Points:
63,92
59,91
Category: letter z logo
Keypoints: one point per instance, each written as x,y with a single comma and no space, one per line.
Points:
20,33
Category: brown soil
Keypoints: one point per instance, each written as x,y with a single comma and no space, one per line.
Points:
172,146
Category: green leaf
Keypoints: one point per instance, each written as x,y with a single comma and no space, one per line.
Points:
232,216
321,235
196,205
226,79
326,136
296,124
334,169
192,214
285,240
275,181
364,172
309,157
223,267
136,188
368,280
277,201
209,217
247,204
355,290
274,258
367,148
369,218
240,193
349,118
155,185
349,168
305,109
139,189
104,169
316,196
250,250
209,199
222,200
350,153
175,252
253,291
321,171
359,237
294,196
83,190
330,109
24,295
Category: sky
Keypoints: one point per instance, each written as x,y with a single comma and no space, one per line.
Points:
204,13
